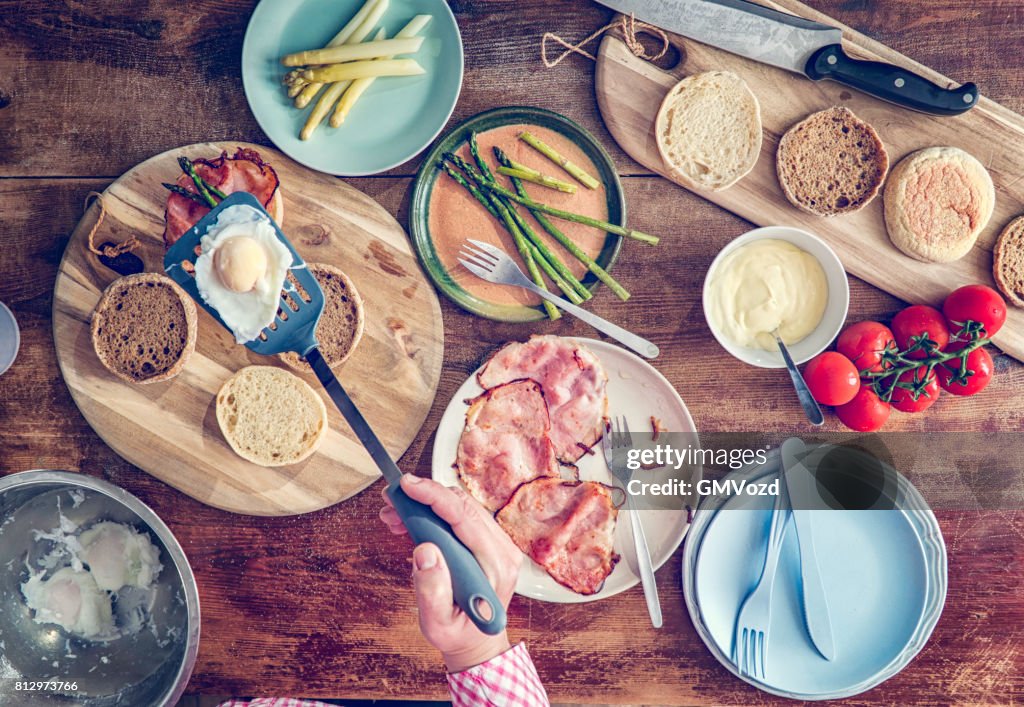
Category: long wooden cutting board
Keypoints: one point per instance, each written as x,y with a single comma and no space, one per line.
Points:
630,91
170,429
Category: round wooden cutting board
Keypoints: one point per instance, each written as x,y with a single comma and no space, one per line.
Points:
170,430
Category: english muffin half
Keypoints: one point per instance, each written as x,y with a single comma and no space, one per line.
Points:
709,130
937,201
144,328
831,163
270,416
341,324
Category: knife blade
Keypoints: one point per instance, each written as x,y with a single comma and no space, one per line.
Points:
798,45
801,488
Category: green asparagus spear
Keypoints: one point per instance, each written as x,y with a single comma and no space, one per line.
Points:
544,208
185,193
547,260
471,188
577,292
188,168
474,149
531,175
553,155
507,211
566,287
566,242
497,208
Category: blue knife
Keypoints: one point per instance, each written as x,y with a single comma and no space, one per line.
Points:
801,488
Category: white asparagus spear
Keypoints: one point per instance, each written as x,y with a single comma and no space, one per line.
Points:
358,35
359,86
355,52
326,102
362,69
340,38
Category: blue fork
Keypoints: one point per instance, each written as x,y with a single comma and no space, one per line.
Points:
750,641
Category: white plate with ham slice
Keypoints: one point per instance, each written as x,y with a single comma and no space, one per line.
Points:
498,435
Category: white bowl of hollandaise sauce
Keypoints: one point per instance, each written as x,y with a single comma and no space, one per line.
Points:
775,278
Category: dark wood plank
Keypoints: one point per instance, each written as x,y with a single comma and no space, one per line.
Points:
94,88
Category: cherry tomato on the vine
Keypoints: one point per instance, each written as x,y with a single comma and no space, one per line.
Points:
832,378
903,399
866,412
977,303
979,364
863,343
918,320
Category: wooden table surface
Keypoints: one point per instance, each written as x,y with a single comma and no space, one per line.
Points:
320,605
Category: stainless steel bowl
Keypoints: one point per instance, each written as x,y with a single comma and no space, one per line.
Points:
144,668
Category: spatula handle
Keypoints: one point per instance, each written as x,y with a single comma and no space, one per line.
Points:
470,586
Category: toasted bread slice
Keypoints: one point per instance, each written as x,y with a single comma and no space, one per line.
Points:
341,324
270,416
831,163
144,328
276,208
937,201
709,130
1008,262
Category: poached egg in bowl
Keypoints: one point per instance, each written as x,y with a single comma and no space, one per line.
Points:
241,270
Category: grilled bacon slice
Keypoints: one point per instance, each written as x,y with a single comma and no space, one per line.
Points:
505,442
575,387
244,171
566,527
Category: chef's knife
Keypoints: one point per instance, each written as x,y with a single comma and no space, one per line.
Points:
795,44
801,487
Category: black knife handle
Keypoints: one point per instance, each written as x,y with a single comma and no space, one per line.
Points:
890,83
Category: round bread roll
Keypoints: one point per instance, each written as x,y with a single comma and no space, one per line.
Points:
1008,262
144,328
341,324
270,416
709,130
937,201
831,163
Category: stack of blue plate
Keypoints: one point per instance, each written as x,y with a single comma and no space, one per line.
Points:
884,573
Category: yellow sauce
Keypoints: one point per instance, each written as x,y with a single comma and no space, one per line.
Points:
766,285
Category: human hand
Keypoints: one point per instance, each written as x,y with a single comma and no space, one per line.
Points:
444,624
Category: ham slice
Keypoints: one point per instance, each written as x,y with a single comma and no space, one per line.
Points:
574,384
566,527
505,442
244,171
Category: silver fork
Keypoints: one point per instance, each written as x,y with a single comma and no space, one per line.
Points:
750,642
494,265
618,437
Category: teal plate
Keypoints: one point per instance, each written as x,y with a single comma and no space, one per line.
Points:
393,121
419,213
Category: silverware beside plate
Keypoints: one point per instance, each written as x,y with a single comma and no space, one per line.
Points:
494,265
618,437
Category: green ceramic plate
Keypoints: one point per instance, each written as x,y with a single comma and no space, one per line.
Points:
419,215
393,121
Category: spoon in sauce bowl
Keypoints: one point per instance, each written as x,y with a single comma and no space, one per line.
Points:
810,406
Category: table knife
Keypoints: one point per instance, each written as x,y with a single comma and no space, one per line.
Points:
795,44
801,487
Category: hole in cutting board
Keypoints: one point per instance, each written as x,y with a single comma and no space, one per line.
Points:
674,56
